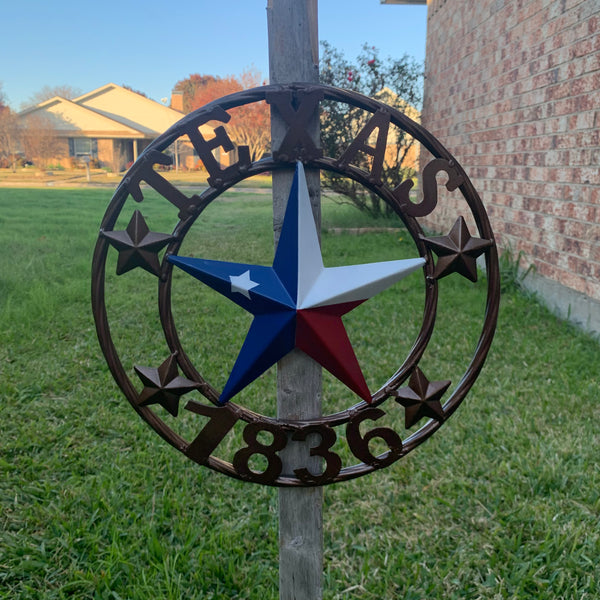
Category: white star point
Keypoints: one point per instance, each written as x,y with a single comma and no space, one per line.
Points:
242,284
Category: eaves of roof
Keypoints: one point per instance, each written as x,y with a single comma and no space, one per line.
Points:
139,112
114,127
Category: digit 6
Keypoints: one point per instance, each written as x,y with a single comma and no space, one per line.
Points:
360,444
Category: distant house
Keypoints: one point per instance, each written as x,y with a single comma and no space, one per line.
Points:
411,156
110,124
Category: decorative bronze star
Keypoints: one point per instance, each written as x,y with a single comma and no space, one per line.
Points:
457,252
164,385
138,246
421,398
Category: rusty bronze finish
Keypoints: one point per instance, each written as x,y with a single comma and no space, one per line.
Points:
380,121
421,398
429,182
333,463
296,109
164,385
137,246
140,247
457,252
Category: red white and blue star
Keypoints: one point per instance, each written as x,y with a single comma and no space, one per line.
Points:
298,302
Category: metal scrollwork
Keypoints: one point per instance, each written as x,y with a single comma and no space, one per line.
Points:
357,430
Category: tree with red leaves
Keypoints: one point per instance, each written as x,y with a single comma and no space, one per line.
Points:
189,86
249,124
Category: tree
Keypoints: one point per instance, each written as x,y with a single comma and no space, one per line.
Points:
397,83
221,86
64,91
10,137
249,124
40,142
189,86
3,104
9,134
128,87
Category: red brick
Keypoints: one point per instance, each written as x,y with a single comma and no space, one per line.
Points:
523,118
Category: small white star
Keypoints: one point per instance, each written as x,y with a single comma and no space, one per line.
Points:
242,284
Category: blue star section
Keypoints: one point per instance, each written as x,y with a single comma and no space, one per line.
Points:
259,291
269,339
268,295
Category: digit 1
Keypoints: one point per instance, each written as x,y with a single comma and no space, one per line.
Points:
222,420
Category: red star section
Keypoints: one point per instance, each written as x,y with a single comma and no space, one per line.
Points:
321,334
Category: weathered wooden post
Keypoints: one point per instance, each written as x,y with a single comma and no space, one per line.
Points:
294,56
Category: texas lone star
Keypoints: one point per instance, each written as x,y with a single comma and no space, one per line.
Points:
298,302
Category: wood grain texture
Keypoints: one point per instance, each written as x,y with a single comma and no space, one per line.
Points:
293,56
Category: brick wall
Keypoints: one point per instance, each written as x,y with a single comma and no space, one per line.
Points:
512,89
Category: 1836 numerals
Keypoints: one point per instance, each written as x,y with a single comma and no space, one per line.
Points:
221,421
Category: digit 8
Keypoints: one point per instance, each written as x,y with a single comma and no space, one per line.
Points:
242,456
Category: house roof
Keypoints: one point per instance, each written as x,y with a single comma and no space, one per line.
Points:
108,111
130,108
69,118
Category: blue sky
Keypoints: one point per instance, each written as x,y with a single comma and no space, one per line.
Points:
150,45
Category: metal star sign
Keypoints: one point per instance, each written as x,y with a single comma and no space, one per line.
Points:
137,245
298,302
164,385
457,252
421,398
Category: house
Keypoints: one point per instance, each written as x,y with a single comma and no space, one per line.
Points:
110,124
512,89
410,159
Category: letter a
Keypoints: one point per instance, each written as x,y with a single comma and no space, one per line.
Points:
381,121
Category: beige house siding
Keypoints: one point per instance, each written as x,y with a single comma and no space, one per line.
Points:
116,123
69,118
133,110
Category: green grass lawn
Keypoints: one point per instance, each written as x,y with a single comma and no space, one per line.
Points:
503,502
34,177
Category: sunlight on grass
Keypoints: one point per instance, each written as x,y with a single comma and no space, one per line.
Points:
503,502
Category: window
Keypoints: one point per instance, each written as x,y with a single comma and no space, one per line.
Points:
83,147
